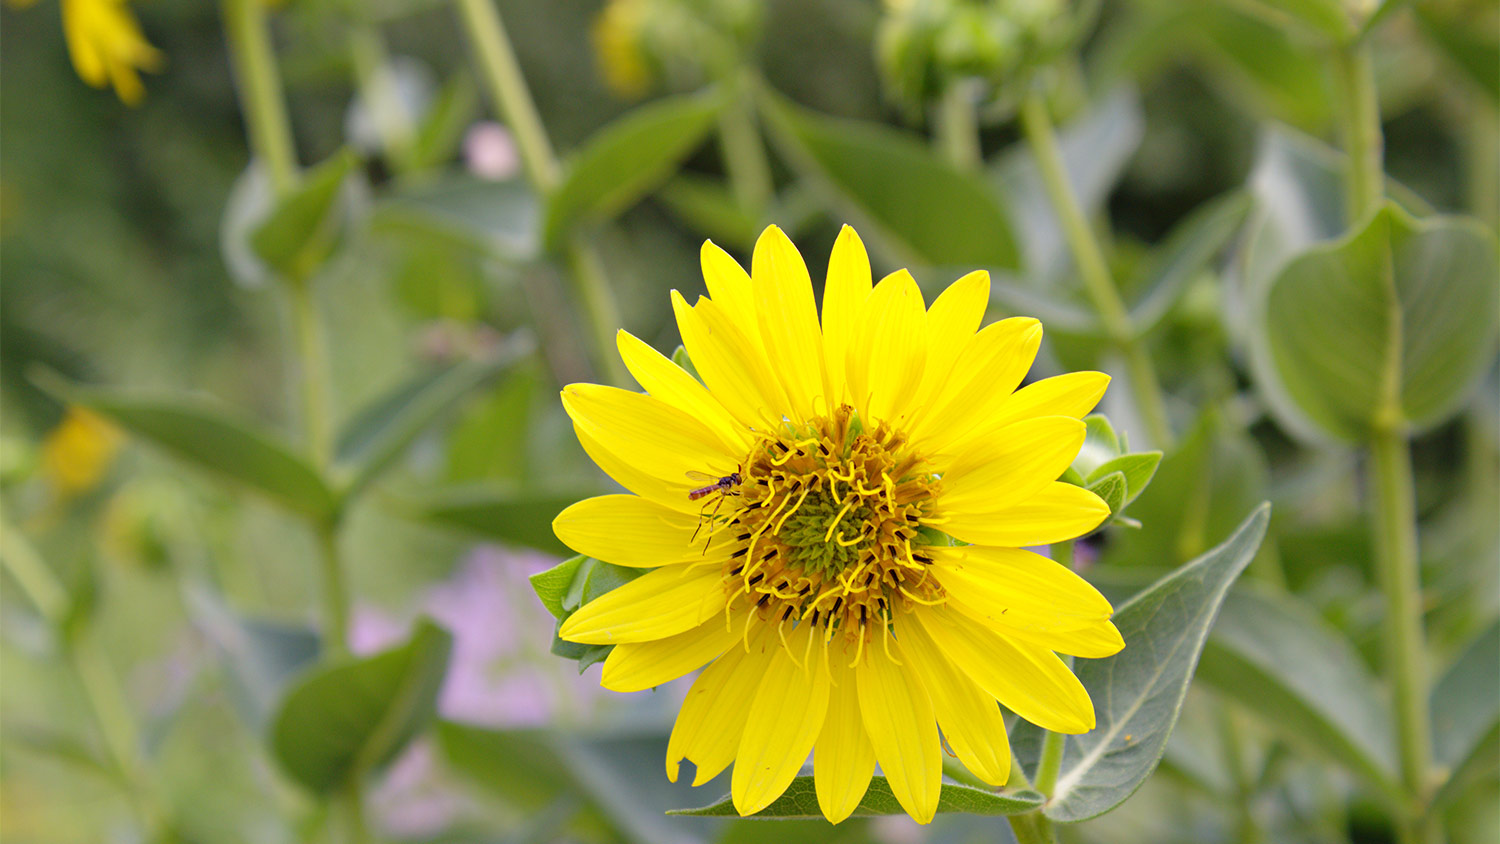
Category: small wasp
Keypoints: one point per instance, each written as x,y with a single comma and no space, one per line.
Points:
724,486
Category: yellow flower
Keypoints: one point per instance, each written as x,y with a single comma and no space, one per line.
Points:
107,46
617,47
817,574
77,453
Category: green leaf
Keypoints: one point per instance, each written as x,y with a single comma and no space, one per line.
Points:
442,129
1138,692
260,656
204,436
1473,50
895,189
627,159
1304,681
1395,324
1136,470
571,584
1326,17
1466,714
1111,488
499,513
382,432
801,801
304,226
348,719
1187,252
710,208
495,219
553,585
1096,148
523,767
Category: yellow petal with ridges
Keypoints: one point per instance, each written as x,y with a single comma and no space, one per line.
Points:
668,494
712,718
785,719
730,288
902,727
951,321
992,363
667,381
1013,588
732,365
1058,512
634,667
1028,680
970,719
891,345
1072,394
629,530
843,300
1010,466
656,605
789,322
1096,641
843,759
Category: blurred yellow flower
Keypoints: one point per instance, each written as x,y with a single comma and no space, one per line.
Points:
107,46
77,453
835,518
617,47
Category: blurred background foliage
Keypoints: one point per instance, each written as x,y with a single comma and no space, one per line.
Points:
142,678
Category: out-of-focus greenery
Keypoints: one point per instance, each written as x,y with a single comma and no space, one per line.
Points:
168,667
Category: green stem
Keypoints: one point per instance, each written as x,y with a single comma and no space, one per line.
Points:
352,802
1050,763
312,355
1031,827
382,100
1354,72
1089,257
957,129
502,73
745,156
1395,527
1244,785
261,98
335,591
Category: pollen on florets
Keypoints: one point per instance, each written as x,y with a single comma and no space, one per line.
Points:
827,526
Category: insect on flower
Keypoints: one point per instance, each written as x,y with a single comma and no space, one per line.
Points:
723,486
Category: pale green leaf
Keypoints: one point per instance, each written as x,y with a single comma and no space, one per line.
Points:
1466,715
304,226
499,513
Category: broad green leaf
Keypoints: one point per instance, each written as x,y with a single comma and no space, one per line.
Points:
204,436
1265,68
260,657
1138,692
495,219
553,585
627,159
1326,17
503,514
1303,680
1472,49
351,718
442,129
1187,252
801,801
1136,470
303,228
710,208
571,584
1466,714
381,433
523,767
1095,150
895,189
1394,324
494,437
1111,488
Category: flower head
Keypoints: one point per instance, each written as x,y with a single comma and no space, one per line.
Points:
79,451
835,516
107,47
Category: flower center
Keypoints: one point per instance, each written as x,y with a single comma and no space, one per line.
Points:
827,530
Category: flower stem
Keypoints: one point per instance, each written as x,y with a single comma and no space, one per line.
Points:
261,99
1089,257
745,155
312,356
335,591
1354,73
502,73
1396,556
957,130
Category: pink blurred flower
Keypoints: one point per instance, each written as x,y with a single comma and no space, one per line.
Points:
490,152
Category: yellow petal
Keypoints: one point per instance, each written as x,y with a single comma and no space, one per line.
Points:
667,381
987,370
713,715
732,365
1010,466
1012,588
730,288
971,720
843,760
668,494
650,434
628,530
891,349
1073,394
843,300
633,667
656,605
785,719
951,321
1059,512
1096,641
1028,680
899,720
789,322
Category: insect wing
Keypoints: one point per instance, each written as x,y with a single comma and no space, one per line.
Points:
703,478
